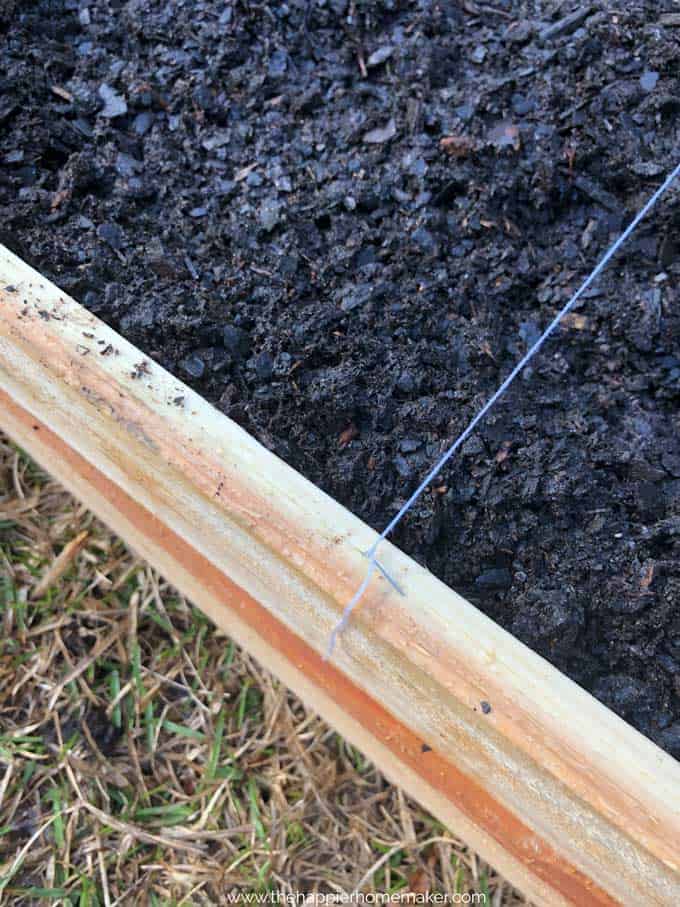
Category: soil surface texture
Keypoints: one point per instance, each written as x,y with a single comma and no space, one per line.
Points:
344,222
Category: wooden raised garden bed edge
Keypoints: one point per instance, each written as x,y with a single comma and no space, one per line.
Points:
564,798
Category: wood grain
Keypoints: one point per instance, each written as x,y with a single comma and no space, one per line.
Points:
567,800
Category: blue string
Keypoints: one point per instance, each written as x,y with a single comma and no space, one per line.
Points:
524,361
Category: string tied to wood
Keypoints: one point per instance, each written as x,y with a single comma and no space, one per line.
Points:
373,563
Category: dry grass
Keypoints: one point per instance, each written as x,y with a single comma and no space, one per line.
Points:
145,759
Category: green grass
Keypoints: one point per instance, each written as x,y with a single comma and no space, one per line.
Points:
174,769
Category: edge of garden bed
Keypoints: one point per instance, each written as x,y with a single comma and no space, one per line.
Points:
565,799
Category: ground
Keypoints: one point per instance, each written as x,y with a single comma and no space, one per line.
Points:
344,222
146,760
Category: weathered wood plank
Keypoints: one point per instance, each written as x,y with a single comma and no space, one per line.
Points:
566,799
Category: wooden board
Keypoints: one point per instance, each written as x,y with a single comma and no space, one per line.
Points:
564,798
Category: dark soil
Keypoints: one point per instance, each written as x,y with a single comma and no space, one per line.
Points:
344,222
